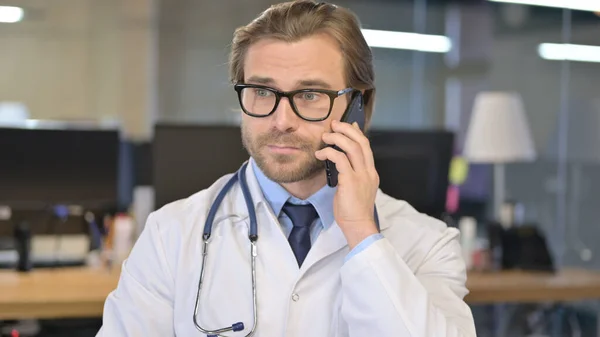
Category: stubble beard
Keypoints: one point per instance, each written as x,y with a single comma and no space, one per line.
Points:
283,168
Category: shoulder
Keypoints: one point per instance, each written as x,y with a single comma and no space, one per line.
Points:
181,216
175,230
399,214
415,235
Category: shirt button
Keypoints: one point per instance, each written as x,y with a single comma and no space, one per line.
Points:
295,297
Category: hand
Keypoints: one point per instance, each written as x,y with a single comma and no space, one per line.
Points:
358,181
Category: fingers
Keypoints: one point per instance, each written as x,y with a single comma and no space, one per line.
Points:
351,148
342,164
354,133
366,147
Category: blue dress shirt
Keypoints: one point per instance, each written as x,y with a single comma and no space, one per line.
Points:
322,201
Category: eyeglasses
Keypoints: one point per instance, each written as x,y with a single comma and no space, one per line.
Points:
312,105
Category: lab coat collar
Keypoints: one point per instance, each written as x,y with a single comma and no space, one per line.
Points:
254,187
277,196
259,199
274,193
330,240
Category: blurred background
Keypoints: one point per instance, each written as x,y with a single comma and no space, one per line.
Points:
498,101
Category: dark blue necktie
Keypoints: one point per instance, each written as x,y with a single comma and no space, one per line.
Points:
302,217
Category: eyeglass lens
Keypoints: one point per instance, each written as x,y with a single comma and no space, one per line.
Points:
261,102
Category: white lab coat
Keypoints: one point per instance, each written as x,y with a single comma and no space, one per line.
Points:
411,283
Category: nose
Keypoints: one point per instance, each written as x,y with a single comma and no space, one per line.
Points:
284,117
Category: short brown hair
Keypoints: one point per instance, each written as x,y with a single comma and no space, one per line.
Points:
292,21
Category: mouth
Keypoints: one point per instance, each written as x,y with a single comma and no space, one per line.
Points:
282,149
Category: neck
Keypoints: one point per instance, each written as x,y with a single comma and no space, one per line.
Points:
307,187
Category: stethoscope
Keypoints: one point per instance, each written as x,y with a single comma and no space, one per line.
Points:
252,236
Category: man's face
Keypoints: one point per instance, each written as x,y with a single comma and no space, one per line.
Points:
283,144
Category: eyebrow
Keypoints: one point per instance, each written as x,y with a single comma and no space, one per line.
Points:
260,80
312,83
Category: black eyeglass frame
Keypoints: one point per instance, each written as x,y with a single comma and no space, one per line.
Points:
290,95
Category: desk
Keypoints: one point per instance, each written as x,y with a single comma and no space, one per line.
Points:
80,292
55,293
520,286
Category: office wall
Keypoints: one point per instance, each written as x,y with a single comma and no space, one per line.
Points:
517,66
45,60
82,59
194,45
195,38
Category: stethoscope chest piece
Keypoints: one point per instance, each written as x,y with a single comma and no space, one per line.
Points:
252,236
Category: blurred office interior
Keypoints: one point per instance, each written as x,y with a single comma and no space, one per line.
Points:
488,115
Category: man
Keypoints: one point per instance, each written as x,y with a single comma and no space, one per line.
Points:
323,267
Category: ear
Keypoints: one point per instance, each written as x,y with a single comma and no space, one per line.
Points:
367,94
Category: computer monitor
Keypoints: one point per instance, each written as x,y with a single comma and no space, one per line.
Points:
413,165
190,158
142,163
48,167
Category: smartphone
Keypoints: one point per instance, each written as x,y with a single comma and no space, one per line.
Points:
354,113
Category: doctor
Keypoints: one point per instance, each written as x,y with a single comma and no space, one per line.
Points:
322,267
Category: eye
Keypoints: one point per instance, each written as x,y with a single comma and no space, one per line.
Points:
262,92
310,96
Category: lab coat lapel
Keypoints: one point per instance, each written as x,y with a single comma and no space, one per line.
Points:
274,248
272,244
329,242
332,240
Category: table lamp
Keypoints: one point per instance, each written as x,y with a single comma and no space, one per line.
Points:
498,134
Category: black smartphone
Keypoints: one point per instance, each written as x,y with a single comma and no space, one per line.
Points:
354,113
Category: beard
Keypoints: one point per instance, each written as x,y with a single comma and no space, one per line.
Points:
283,168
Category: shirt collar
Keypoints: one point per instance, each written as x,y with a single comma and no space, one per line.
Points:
276,196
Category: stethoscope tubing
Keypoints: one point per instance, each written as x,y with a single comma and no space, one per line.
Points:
252,236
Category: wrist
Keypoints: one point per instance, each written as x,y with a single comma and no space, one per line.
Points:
357,233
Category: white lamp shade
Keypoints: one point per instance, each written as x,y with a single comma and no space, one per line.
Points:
498,131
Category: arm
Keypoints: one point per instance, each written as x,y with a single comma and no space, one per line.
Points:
142,303
384,297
